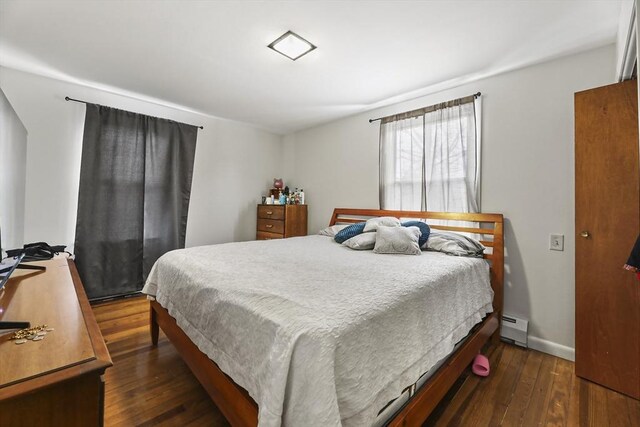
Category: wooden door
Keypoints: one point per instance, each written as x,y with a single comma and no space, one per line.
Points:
607,224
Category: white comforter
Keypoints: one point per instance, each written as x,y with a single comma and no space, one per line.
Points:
317,333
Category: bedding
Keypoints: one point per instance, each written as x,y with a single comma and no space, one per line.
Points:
395,405
332,230
425,230
361,242
318,334
349,232
454,244
382,221
397,240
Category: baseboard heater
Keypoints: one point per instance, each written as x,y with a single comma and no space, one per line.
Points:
514,330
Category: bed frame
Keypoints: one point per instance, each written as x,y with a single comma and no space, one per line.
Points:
241,410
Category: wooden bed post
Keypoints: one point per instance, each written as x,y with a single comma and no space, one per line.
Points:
497,279
153,321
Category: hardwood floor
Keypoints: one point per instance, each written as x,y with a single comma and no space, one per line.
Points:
148,386
152,386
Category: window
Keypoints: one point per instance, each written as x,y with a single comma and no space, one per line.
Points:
430,160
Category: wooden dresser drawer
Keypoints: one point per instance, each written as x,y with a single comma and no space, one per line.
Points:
281,221
271,212
263,235
271,225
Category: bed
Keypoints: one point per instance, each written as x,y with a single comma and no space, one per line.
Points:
323,335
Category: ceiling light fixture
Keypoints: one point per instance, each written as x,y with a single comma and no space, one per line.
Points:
291,45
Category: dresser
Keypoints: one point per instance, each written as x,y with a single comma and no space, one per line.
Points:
56,381
280,221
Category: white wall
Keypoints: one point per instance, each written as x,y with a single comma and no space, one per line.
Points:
13,167
528,175
234,162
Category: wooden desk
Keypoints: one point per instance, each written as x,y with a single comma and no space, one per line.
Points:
56,381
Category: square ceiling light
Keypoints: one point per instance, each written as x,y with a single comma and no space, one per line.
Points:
291,45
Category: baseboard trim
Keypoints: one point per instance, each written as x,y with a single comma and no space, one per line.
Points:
552,348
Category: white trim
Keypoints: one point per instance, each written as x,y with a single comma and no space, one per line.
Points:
552,348
627,42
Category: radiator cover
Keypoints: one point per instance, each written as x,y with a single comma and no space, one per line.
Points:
514,330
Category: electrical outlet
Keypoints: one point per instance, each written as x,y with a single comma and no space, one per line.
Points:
556,242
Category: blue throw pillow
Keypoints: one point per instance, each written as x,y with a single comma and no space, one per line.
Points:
349,232
424,229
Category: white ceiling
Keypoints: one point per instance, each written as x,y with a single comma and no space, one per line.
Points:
211,56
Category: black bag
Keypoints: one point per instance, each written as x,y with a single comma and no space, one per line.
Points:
39,251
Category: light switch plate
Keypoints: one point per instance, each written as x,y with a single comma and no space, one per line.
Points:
556,242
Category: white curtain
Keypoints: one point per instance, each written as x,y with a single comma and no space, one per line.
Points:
402,165
432,161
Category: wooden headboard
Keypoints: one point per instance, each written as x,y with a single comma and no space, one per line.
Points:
491,230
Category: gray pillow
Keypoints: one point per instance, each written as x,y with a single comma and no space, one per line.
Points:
397,240
386,221
454,244
361,242
333,230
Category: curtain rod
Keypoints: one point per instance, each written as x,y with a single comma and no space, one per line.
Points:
66,98
475,95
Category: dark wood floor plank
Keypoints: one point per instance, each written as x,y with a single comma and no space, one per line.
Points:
618,410
506,388
449,412
537,410
148,386
481,413
151,386
558,408
634,412
573,417
524,390
598,415
119,308
124,323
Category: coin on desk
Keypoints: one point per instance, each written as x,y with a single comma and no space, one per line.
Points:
38,338
41,333
22,341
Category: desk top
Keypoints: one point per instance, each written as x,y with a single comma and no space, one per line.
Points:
54,297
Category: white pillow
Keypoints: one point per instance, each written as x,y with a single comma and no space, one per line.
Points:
384,221
333,230
398,240
454,244
361,242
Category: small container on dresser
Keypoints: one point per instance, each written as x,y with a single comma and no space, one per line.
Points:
281,221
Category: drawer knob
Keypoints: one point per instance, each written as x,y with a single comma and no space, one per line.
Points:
269,213
269,225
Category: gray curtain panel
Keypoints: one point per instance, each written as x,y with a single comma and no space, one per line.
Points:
135,184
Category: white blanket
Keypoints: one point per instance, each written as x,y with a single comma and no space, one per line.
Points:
317,333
